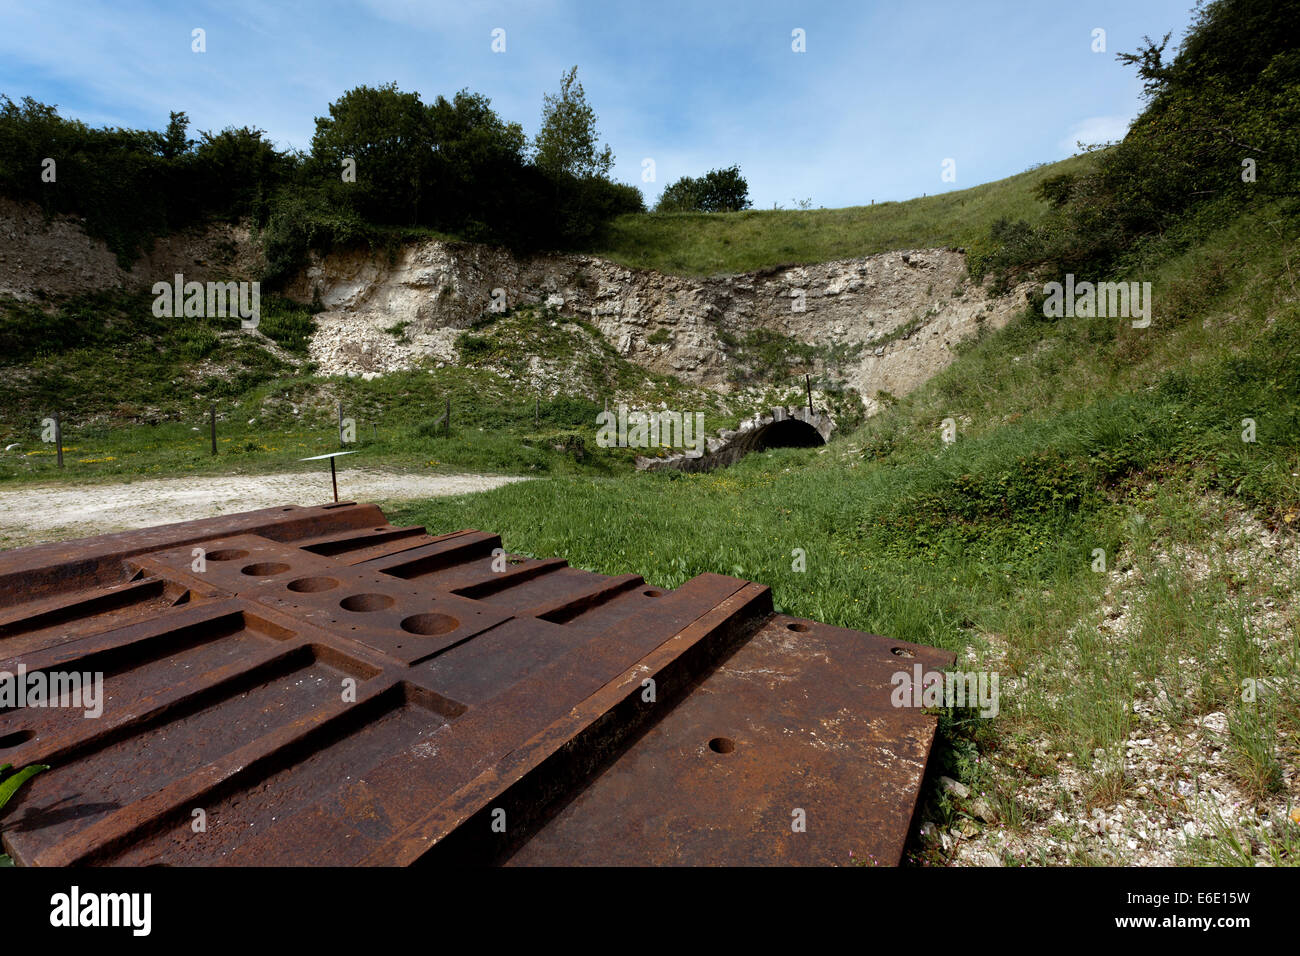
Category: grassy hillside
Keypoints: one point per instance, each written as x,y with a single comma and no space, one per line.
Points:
1075,438
707,243
1112,531
134,393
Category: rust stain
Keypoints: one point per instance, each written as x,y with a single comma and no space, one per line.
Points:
329,689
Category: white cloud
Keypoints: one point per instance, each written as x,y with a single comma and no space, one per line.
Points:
1094,129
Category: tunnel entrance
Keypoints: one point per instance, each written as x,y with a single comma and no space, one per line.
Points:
788,433
801,428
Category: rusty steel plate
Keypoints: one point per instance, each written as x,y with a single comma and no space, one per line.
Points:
788,753
311,686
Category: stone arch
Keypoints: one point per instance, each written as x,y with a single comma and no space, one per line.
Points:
781,428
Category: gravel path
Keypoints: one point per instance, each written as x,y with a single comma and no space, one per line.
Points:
31,515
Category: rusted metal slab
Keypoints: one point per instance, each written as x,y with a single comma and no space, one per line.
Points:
790,752
316,686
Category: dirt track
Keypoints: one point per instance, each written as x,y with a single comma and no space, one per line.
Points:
31,515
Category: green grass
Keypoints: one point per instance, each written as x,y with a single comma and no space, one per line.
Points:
708,243
136,407
9,785
1073,436
397,426
107,357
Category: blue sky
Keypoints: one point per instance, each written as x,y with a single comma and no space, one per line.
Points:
885,92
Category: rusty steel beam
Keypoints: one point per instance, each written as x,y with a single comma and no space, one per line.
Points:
317,686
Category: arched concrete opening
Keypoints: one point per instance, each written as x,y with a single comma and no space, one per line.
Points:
786,433
782,428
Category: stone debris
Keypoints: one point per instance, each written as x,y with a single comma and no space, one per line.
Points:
1178,783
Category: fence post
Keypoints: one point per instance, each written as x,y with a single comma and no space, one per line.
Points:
58,437
808,383
340,424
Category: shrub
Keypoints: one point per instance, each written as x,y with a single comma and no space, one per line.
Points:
1231,95
473,348
719,190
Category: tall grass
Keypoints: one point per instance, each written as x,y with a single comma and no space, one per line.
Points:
707,243
1073,438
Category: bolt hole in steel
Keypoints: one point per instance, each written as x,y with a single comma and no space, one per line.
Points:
722,745
311,585
265,568
226,554
798,626
901,652
653,593
9,741
366,602
430,625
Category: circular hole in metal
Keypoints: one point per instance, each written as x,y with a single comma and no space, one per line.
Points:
653,593
226,554
798,626
430,625
263,568
311,585
901,652
366,602
722,745
16,738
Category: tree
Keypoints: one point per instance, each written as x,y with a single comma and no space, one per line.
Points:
566,142
175,142
681,196
724,190
479,163
1228,101
237,169
389,135
468,127
719,190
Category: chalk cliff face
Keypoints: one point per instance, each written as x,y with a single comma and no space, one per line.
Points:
55,257
887,321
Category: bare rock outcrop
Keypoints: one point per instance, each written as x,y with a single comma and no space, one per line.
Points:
55,257
886,322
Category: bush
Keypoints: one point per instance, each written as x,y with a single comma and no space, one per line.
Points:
301,221
131,186
289,325
453,166
473,348
1231,95
719,190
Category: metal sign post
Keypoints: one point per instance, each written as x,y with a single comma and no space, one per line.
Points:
334,480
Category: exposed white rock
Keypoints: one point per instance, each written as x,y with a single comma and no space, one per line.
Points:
439,289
